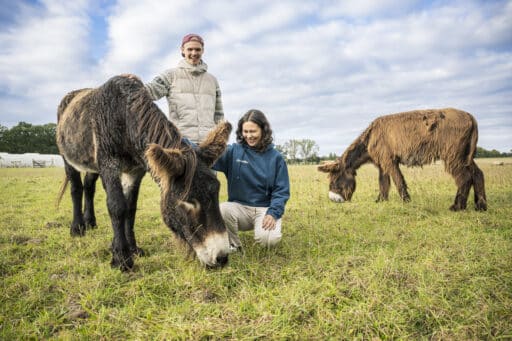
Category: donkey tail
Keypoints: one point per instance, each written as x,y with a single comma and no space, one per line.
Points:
473,142
62,190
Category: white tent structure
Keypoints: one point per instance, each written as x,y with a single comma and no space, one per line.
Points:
30,160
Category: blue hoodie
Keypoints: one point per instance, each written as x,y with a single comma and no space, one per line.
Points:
258,179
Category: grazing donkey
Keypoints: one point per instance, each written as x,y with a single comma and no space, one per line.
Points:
116,132
413,138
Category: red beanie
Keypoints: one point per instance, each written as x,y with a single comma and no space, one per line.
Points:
192,37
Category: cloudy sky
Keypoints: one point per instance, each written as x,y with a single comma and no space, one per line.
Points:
320,70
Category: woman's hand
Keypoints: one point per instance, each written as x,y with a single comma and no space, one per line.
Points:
269,223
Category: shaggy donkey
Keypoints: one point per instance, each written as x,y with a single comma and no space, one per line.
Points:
117,133
413,138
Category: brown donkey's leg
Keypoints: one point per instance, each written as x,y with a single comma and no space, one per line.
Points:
464,180
384,182
399,181
479,188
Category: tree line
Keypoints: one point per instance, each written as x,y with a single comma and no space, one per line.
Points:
483,153
29,138
300,151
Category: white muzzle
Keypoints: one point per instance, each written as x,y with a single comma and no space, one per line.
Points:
335,197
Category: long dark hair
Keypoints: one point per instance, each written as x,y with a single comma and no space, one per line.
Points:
257,117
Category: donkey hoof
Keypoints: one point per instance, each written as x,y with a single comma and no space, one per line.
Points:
77,230
91,225
124,265
456,207
138,251
90,221
481,206
121,259
381,198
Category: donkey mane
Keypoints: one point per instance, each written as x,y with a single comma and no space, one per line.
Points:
152,126
352,157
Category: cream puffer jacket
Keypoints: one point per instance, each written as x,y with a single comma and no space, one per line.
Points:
194,98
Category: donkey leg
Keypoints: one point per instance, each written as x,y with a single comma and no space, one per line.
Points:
463,179
384,183
131,186
77,225
89,190
479,188
399,181
116,204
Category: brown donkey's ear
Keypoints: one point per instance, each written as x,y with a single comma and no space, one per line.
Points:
329,167
164,164
215,143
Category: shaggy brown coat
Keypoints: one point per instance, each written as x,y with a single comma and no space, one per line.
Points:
413,138
116,132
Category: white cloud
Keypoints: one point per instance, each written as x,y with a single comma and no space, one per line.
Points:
140,31
39,42
41,49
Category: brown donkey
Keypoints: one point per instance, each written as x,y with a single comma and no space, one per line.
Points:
413,138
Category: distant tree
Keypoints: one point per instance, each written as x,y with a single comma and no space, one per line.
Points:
314,159
281,150
46,136
304,150
308,149
291,149
3,131
28,138
330,157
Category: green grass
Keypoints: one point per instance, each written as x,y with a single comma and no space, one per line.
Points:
358,270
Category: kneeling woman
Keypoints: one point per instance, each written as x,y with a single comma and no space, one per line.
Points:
258,182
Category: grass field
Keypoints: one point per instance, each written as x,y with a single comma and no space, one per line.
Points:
358,270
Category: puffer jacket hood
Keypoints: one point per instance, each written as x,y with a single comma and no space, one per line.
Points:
195,70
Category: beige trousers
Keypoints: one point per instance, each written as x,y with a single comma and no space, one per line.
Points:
238,217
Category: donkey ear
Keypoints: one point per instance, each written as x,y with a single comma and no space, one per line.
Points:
165,163
215,143
329,167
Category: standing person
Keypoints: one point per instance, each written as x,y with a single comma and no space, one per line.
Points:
193,94
258,182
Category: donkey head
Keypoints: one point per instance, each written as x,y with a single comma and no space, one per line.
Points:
190,194
342,181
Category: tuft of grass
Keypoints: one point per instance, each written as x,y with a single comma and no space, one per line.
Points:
357,270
